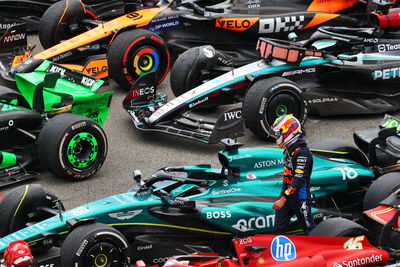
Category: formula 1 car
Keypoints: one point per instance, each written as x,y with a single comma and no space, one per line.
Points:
337,71
13,12
36,124
288,251
136,43
192,208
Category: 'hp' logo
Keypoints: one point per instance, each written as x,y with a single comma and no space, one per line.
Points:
282,249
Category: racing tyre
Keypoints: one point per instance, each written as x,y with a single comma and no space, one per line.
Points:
52,31
338,227
270,98
135,53
380,189
336,144
20,208
72,147
94,244
190,69
8,95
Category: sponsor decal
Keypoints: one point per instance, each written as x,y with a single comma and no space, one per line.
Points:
262,106
245,240
335,264
160,260
57,69
61,56
388,47
239,157
259,222
79,211
125,215
253,4
227,191
136,93
283,249
134,16
218,214
95,70
225,183
147,247
386,74
14,37
370,40
267,163
281,24
296,72
233,115
82,247
251,176
79,125
236,24
323,100
86,81
208,52
362,261
314,188
198,102
6,26
47,265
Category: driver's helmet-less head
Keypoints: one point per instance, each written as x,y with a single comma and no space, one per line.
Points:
286,130
18,254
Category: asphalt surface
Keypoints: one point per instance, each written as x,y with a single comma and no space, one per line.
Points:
130,149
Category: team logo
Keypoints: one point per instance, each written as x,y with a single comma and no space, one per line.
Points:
251,176
283,249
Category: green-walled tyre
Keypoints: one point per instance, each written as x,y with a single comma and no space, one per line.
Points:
72,147
269,98
95,244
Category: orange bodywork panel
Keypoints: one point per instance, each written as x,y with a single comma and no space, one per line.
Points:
331,6
139,18
319,19
97,68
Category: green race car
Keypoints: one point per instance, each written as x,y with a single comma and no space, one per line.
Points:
54,118
195,208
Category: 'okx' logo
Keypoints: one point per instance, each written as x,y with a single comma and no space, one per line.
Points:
283,249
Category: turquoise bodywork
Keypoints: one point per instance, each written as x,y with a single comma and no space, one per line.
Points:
245,199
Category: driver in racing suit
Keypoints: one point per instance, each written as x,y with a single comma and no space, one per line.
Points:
295,198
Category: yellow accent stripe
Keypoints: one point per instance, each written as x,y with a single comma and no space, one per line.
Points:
22,199
174,226
328,151
151,224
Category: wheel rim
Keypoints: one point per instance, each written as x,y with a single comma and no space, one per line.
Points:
103,254
82,150
146,61
282,104
281,110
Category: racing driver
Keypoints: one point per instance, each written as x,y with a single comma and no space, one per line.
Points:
295,197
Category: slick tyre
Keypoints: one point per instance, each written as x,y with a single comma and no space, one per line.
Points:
330,144
95,244
380,189
135,53
270,98
189,70
59,23
8,95
19,209
72,147
338,227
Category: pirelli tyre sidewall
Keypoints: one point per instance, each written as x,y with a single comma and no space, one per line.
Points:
135,53
95,244
268,98
72,147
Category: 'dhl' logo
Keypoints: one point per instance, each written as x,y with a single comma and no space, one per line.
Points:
283,249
